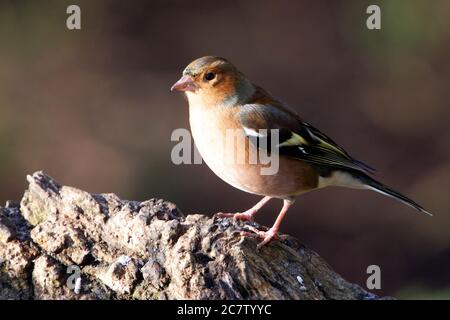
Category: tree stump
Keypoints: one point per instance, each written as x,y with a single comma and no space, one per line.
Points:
65,243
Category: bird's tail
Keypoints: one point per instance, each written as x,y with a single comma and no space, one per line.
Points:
374,185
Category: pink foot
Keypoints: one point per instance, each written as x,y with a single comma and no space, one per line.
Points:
266,236
247,215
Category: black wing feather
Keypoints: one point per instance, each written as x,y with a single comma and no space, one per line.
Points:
299,139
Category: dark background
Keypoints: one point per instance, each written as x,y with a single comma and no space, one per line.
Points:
93,109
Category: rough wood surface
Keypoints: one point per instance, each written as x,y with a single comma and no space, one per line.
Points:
146,250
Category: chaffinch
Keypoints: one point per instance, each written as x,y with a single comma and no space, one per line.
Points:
221,98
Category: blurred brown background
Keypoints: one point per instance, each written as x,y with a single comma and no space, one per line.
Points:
93,109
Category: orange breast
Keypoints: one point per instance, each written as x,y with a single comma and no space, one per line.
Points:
227,151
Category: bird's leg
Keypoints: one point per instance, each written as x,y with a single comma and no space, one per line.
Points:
246,215
272,233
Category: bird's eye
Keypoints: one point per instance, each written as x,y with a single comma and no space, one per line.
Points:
209,76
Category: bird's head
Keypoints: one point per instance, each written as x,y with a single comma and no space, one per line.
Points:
213,81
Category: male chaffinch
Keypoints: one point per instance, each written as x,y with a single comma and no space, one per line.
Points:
221,98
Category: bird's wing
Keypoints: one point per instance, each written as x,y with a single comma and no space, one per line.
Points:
297,138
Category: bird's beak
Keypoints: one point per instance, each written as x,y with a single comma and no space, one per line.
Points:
186,83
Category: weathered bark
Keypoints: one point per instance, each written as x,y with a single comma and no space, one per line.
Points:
146,250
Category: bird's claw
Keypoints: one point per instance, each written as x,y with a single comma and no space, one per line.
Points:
266,236
246,216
